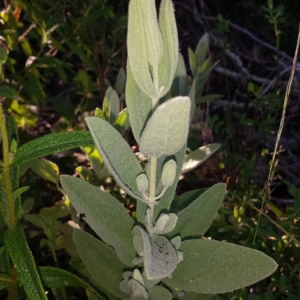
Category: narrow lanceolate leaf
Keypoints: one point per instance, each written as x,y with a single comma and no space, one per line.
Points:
59,278
22,258
194,220
52,143
213,267
169,34
101,262
139,105
197,157
141,17
117,155
104,213
166,131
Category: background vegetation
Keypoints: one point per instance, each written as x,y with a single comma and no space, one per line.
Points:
63,55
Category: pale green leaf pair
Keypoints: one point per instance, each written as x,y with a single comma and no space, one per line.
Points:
152,46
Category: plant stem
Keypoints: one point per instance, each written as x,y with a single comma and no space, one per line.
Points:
6,173
13,294
153,164
152,183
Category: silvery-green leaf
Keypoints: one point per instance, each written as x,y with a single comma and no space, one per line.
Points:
176,241
166,130
138,276
137,290
213,267
202,49
169,34
120,83
161,223
149,283
117,155
160,257
166,200
196,218
100,209
168,173
165,224
180,82
141,17
142,183
158,292
138,244
197,157
101,262
139,105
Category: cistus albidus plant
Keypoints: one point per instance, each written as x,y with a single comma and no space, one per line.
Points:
161,254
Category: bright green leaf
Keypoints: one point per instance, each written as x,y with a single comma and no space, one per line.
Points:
23,260
45,169
122,122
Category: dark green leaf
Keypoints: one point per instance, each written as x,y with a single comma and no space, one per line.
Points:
7,92
52,143
23,260
213,267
